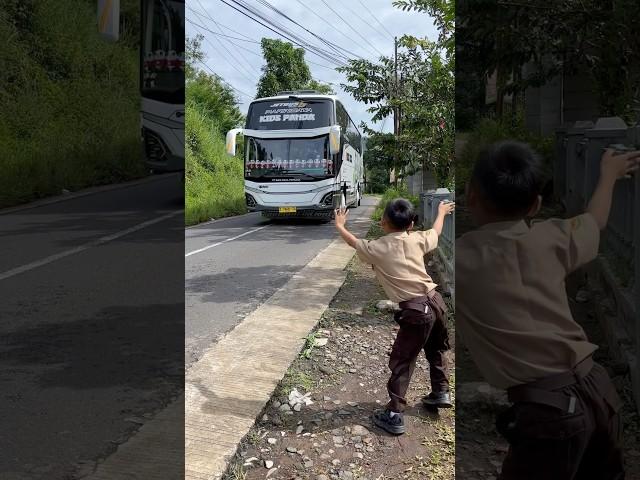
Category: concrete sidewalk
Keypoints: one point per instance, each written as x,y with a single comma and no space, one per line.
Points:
228,388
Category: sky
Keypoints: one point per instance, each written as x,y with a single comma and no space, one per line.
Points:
243,71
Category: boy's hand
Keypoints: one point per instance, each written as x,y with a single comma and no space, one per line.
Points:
446,207
619,165
341,216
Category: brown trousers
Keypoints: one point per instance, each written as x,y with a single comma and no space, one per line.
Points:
418,332
551,443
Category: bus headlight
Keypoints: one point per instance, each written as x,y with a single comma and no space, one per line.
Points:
251,202
327,200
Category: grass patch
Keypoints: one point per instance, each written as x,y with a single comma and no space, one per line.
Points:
236,472
309,345
294,379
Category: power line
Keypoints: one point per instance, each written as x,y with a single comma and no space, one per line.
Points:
220,30
220,34
261,56
335,47
355,30
248,63
376,19
346,5
324,20
326,54
250,41
222,55
224,81
301,43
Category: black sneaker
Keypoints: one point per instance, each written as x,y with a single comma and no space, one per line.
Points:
393,425
438,400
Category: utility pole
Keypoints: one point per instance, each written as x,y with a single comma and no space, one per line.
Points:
396,117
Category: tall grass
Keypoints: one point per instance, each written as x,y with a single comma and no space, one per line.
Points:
214,185
70,102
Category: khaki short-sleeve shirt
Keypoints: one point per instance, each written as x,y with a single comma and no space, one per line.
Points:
398,261
512,311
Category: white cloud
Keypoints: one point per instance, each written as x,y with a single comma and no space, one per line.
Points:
241,69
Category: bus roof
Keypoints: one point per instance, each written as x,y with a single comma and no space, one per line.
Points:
296,95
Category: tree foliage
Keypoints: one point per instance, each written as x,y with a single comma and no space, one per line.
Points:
567,36
286,69
423,95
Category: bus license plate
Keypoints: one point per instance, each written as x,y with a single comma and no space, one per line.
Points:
287,210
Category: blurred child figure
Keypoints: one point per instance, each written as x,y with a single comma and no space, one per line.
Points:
512,313
398,262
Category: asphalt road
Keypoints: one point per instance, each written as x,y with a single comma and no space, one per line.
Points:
233,265
91,324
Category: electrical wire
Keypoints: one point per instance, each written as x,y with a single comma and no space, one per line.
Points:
391,36
310,48
331,25
248,63
219,77
332,45
230,62
349,26
328,55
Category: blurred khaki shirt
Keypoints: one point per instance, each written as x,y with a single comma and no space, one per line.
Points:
398,261
512,310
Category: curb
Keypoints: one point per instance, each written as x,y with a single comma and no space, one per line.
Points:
84,193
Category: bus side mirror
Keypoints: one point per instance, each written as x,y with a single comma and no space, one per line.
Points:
334,140
231,141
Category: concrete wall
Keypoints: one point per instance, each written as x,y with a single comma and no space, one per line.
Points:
565,99
421,181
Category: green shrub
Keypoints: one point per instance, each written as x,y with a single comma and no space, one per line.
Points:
488,131
390,194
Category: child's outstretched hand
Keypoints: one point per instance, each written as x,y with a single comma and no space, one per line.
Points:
341,216
619,165
446,207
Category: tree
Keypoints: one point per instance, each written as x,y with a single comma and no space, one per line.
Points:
286,69
424,95
320,87
564,37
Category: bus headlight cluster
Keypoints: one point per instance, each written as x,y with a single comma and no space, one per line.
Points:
251,202
327,199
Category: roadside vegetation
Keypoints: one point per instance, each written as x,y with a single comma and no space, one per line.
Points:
390,194
214,181
70,103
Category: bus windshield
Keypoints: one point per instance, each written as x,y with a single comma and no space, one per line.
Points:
289,114
163,51
298,159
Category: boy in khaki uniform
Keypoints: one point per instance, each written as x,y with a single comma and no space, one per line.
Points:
512,313
398,261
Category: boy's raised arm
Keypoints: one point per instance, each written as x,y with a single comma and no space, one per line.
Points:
612,168
347,236
444,208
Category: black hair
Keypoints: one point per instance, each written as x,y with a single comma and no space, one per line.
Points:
509,175
400,213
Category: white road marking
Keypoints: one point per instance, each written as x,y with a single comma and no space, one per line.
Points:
86,246
224,241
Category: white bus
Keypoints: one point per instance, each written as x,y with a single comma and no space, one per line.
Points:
302,156
162,84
